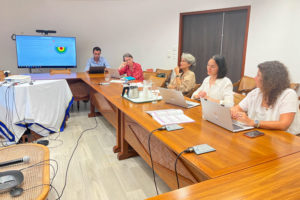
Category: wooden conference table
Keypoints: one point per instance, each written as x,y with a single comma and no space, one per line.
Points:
234,152
277,179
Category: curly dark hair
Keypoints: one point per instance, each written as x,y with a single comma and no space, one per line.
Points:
275,79
220,60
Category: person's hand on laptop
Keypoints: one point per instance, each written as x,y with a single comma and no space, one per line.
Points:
234,112
172,87
201,94
241,116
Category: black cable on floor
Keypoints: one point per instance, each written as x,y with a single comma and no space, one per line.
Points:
149,148
188,150
68,165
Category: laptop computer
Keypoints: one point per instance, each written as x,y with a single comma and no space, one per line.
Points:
175,97
221,116
114,73
96,69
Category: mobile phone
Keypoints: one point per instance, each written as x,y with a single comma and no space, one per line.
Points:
253,134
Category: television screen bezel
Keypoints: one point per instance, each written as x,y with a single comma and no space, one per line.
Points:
47,66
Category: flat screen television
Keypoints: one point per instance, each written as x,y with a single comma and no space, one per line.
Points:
46,51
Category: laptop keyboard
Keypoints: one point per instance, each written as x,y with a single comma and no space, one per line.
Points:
235,127
191,103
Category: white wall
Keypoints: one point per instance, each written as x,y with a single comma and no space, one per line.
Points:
147,29
274,34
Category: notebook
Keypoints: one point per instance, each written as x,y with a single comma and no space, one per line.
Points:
221,116
170,116
176,97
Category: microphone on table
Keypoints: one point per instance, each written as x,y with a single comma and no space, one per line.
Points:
25,159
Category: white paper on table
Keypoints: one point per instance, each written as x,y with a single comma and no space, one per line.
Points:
170,116
139,84
117,81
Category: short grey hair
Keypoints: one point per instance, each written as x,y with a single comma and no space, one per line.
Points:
127,55
189,58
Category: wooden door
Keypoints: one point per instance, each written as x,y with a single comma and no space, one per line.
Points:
222,31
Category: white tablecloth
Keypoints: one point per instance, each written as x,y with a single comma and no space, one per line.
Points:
43,107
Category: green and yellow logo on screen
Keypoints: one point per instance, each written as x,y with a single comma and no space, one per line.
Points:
61,50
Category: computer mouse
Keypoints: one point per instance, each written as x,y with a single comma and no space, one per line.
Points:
15,192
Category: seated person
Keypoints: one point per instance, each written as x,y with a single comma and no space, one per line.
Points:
131,68
184,80
96,60
216,87
272,105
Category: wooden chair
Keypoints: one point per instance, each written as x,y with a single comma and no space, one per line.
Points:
149,70
237,98
190,93
2,76
36,178
295,86
157,81
168,74
245,85
60,71
79,89
147,74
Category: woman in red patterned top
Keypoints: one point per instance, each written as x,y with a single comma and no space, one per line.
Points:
131,68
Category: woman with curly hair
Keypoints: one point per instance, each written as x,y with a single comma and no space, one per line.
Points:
272,105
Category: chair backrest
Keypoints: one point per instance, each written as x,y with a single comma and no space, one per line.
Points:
237,98
79,89
295,86
2,76
157,81
147,74
190,93
149,70
60,71
167,72
246,84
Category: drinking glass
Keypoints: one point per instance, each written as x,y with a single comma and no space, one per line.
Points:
107,76
155,92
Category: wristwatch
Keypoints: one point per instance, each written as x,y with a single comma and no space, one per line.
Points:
256,123
178,75
222,102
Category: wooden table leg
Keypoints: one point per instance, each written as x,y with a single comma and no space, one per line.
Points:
125,150
92,107
117,147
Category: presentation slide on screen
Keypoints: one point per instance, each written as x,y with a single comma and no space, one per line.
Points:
45,51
